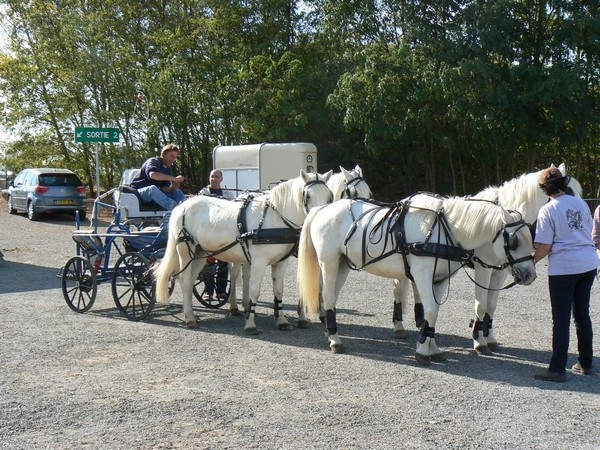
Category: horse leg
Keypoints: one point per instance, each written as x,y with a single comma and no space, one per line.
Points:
234,273
483,278
400,301
419,313
277,274
245,286
333,277
256,272
427,349
498,279
187,279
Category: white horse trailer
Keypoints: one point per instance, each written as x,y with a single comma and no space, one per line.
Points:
259,166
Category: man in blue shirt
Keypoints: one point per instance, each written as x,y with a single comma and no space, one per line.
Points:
155,181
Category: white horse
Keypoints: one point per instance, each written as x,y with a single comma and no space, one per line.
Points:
426,236
205,226
519,193
344,184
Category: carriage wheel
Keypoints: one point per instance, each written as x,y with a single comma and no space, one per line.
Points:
132,287
205,286
79,284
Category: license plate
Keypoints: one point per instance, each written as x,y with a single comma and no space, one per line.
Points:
63,202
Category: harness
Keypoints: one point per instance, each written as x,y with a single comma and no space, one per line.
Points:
391,227
289,234
351,191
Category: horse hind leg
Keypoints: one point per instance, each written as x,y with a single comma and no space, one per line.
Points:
277,274
234,274
400,300
187,279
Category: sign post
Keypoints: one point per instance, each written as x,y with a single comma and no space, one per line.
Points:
86,134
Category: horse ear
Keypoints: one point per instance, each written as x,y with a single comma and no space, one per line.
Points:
347,174
327,176
563,169
552,166
358,170
304,176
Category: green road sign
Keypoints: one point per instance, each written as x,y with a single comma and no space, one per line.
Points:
96,135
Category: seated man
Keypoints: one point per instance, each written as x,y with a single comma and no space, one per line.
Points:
214,188
155,181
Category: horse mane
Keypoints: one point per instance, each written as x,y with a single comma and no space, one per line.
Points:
287,194
337,184
471,218
512,193
468,217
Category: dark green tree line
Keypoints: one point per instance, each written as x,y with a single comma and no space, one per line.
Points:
446,96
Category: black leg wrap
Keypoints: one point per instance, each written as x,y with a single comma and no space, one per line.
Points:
251,309
487,325
477,326
397,312
426,331
277,306
330,322
419,313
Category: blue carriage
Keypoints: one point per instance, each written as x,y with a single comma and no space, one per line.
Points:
123,255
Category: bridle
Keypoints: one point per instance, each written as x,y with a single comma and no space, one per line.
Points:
350,191
306,193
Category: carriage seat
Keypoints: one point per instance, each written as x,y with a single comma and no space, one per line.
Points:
131,206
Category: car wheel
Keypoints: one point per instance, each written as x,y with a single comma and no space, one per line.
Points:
31,212
11,208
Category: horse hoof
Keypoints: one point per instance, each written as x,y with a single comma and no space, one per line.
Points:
285,327
191,324
493,346
234,312
423,359
483,350
252,331
303,324
338,349
438,357
400,334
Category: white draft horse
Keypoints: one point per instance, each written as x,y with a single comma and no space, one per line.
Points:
238,232
344,184
427,236
521,193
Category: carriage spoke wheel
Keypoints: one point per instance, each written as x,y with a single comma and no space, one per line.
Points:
79,285
132,287
205,286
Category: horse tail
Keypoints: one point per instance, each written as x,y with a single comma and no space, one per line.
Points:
169,264
309,277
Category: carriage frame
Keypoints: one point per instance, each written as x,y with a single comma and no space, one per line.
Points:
123,255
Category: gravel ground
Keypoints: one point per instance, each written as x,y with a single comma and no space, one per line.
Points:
97,380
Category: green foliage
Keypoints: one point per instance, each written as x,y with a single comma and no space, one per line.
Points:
447,96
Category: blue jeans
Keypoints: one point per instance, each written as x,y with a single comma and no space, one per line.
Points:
167,200
568,291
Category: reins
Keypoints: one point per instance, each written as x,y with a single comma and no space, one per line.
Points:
390,229
245,235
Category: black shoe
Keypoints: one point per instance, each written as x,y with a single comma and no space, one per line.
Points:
548,375
580,370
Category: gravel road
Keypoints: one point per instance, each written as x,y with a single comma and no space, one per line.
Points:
98,381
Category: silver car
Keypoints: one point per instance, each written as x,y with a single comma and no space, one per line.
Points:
46,191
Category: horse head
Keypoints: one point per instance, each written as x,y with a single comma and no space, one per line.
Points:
514,241
315,191
356,186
